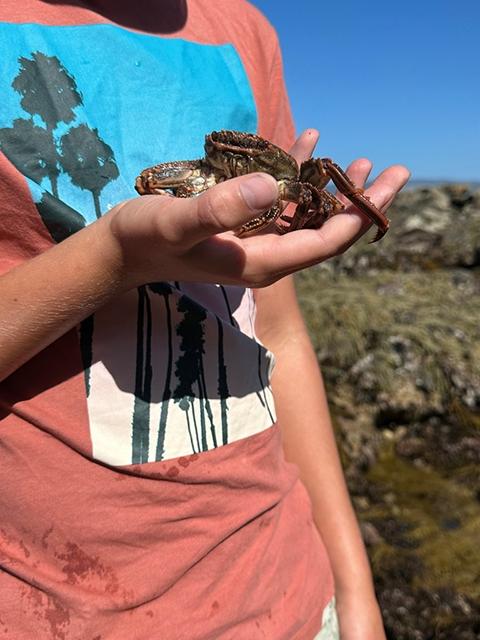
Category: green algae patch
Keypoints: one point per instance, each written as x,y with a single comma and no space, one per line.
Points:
440,522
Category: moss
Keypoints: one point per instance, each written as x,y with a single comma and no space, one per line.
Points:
469,420
444,522
349,317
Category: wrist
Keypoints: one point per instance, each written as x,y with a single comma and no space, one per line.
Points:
108,261
135,246
360,617
120,255
357,595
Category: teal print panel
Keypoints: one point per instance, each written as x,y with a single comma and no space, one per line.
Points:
84,109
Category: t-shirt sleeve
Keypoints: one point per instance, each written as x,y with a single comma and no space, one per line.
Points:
257,42
275,116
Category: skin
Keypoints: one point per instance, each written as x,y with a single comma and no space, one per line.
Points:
159,238
156,238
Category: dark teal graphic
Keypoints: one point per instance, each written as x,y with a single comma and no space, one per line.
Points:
143,379
165,290
48,91
88,160
60,219
222,387
190,373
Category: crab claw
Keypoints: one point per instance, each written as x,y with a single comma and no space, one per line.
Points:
381,231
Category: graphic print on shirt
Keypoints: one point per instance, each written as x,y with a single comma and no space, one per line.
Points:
170,369
48,92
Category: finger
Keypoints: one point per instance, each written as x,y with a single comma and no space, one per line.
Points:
358,172
226,206
387,185
294,251
304,145
381,193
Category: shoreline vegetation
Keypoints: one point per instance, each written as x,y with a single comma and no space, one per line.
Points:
396,329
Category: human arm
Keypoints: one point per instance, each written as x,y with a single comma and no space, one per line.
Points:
308,441
308,437
139,241
150,239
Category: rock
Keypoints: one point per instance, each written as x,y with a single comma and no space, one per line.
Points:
431,228
411,447
370,534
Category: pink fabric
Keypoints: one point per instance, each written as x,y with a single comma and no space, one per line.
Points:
217,545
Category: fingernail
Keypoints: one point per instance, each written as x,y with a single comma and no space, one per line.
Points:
259,191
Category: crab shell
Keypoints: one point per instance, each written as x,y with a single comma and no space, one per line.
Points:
233,153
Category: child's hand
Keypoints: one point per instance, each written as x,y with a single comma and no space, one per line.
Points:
190,239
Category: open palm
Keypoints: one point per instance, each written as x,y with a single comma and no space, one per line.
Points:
191,239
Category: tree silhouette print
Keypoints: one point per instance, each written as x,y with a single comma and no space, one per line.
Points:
60,219
32,150
222,388
143,380
165,290
223,391
89,161
86,348
49,91
190,372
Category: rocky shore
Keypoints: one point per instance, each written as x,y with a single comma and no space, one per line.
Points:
396,326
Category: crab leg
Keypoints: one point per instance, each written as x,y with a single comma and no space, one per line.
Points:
320,170
294,192
356,196
314,206
256,224
182,178
302,194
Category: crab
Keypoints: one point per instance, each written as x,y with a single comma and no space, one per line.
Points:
229,154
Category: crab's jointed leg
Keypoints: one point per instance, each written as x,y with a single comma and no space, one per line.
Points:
256,224
182,178
314,207
319,171
304,195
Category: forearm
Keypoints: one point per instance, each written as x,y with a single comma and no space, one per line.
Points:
307,433
48,295
141,240
309,442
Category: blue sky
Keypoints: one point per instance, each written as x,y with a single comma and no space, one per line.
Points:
395,81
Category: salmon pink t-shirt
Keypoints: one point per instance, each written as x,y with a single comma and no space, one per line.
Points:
144,494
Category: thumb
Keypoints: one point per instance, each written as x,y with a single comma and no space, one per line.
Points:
223,207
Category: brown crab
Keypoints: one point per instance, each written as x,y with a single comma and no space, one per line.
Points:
229,154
